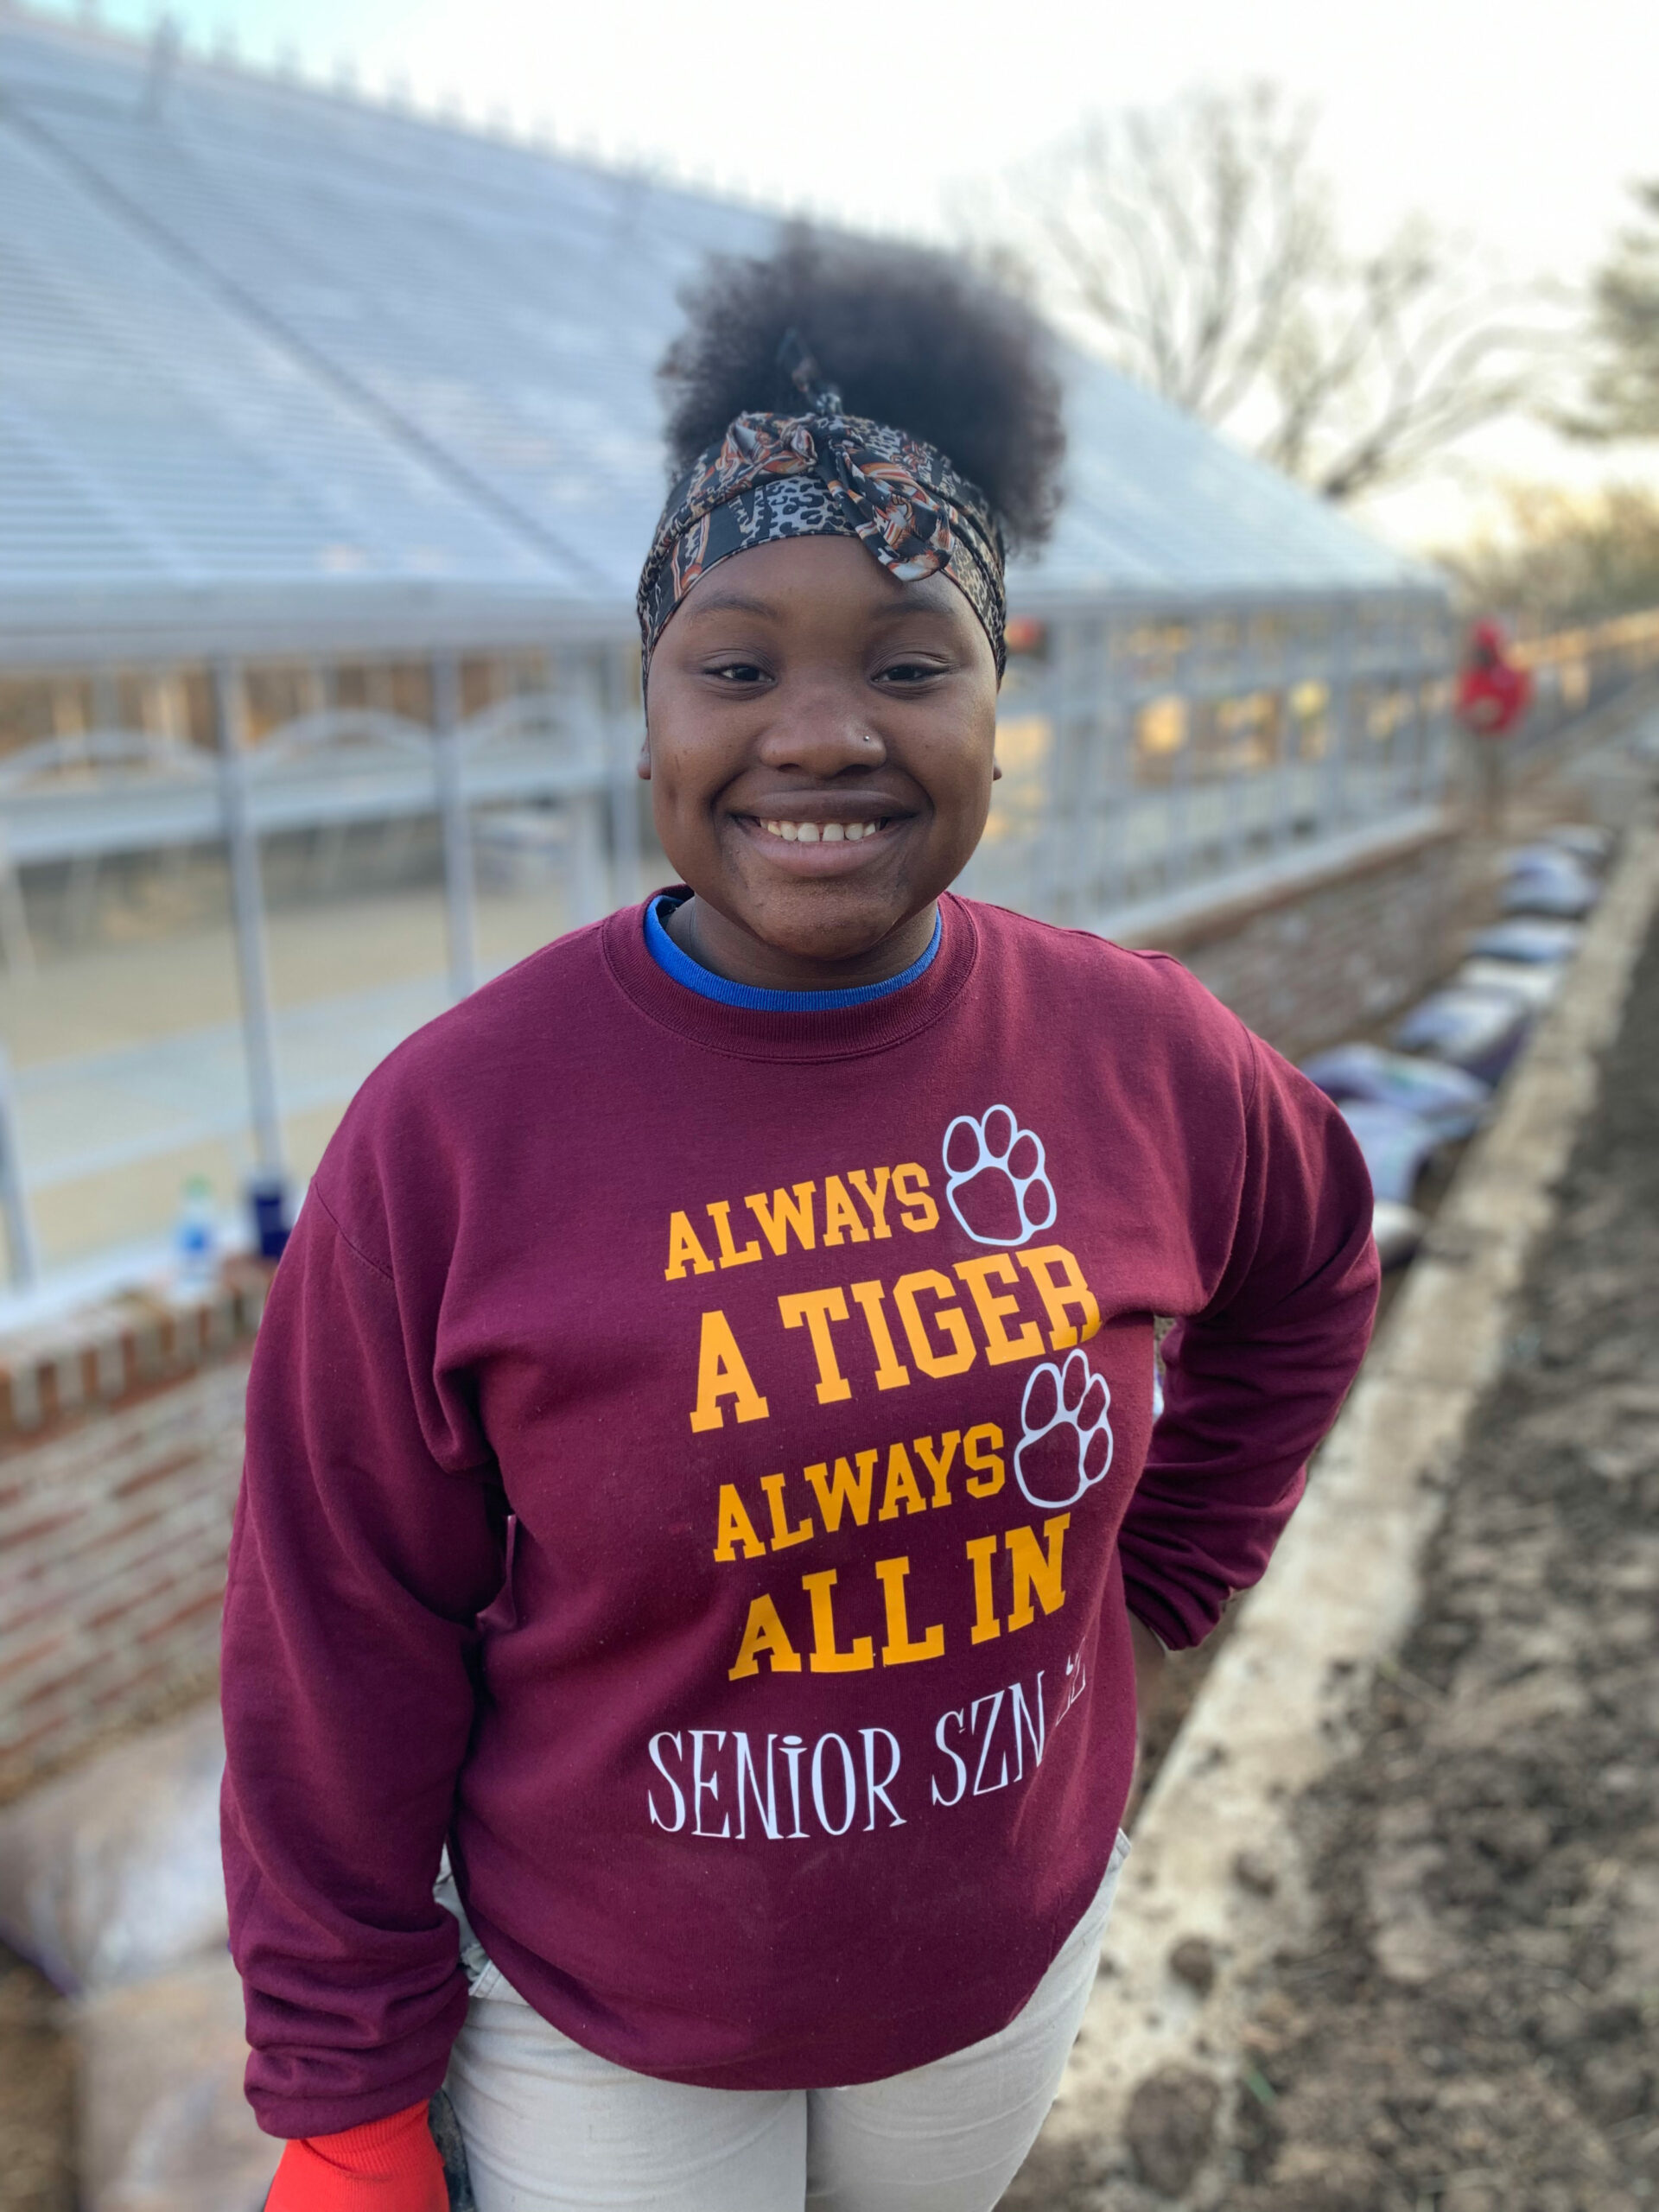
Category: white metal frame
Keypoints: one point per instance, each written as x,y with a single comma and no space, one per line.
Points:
120,791
1088,822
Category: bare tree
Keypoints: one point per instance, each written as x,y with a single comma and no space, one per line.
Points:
1623,394
1200,241
1557,556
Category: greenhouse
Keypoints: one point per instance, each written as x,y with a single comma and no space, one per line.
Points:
328,447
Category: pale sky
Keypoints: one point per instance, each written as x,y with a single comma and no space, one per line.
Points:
1520,126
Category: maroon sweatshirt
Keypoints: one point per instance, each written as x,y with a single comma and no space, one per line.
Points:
698,1464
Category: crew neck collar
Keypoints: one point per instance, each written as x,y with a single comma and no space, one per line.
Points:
871,1024
692,976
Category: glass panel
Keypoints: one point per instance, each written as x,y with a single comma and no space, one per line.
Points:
547,768
1161,728
1309,707
118,1002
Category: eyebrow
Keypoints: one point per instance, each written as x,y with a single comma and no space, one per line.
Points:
728,602
738,602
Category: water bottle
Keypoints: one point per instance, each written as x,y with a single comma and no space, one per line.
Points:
196,1238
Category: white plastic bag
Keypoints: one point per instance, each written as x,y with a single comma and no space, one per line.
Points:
114,1872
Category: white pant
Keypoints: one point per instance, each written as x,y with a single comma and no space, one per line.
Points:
551,2128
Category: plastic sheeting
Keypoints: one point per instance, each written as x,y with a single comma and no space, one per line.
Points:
1586,840
1449,1101
1545,880
1534,986
1532,941
1480,1032
1396,1144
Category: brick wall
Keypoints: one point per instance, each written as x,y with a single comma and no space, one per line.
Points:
119,1348
1309,962
120,1448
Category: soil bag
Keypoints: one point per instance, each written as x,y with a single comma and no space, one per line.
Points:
1396,1144
1569,896
1449,1101
1534,986
114,1872
1543,880
1530,942
1480,1032
1586,840
164,2126
1399,1229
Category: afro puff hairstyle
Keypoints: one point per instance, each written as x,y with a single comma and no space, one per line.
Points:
911,337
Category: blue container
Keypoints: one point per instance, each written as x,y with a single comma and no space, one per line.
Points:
268,1197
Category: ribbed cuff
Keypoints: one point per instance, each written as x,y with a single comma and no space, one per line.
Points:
385,2165
375,2148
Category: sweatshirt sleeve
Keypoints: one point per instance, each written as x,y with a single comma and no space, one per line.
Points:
1255,1380
368,1538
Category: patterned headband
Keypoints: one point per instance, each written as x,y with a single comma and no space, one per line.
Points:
825,474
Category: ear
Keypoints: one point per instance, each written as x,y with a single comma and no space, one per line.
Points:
642,766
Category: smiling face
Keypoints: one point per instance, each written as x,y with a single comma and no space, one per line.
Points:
819,745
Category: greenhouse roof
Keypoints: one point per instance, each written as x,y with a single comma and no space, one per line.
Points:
283,368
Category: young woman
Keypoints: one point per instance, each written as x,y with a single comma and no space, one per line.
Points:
700,1460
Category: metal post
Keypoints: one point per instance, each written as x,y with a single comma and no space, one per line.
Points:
248,907
1178,852
457,825
1443,667
1293,773
1097,736
22,1250
620,735
1420,767
1439,670
15,942
586,817
1334,812
1118,801
1051,878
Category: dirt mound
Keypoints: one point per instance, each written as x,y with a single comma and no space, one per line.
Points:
1477,2027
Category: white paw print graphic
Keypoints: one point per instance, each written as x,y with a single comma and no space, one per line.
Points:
995,1180
1065,1445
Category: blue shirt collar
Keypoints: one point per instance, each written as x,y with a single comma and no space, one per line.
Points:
683,970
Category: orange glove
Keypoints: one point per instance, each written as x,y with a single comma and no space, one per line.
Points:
387,2166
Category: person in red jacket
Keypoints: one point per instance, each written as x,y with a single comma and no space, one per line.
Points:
703,1517
1493,696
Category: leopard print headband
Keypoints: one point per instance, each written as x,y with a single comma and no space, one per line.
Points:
825,474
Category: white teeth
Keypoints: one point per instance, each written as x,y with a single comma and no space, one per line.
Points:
831,833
